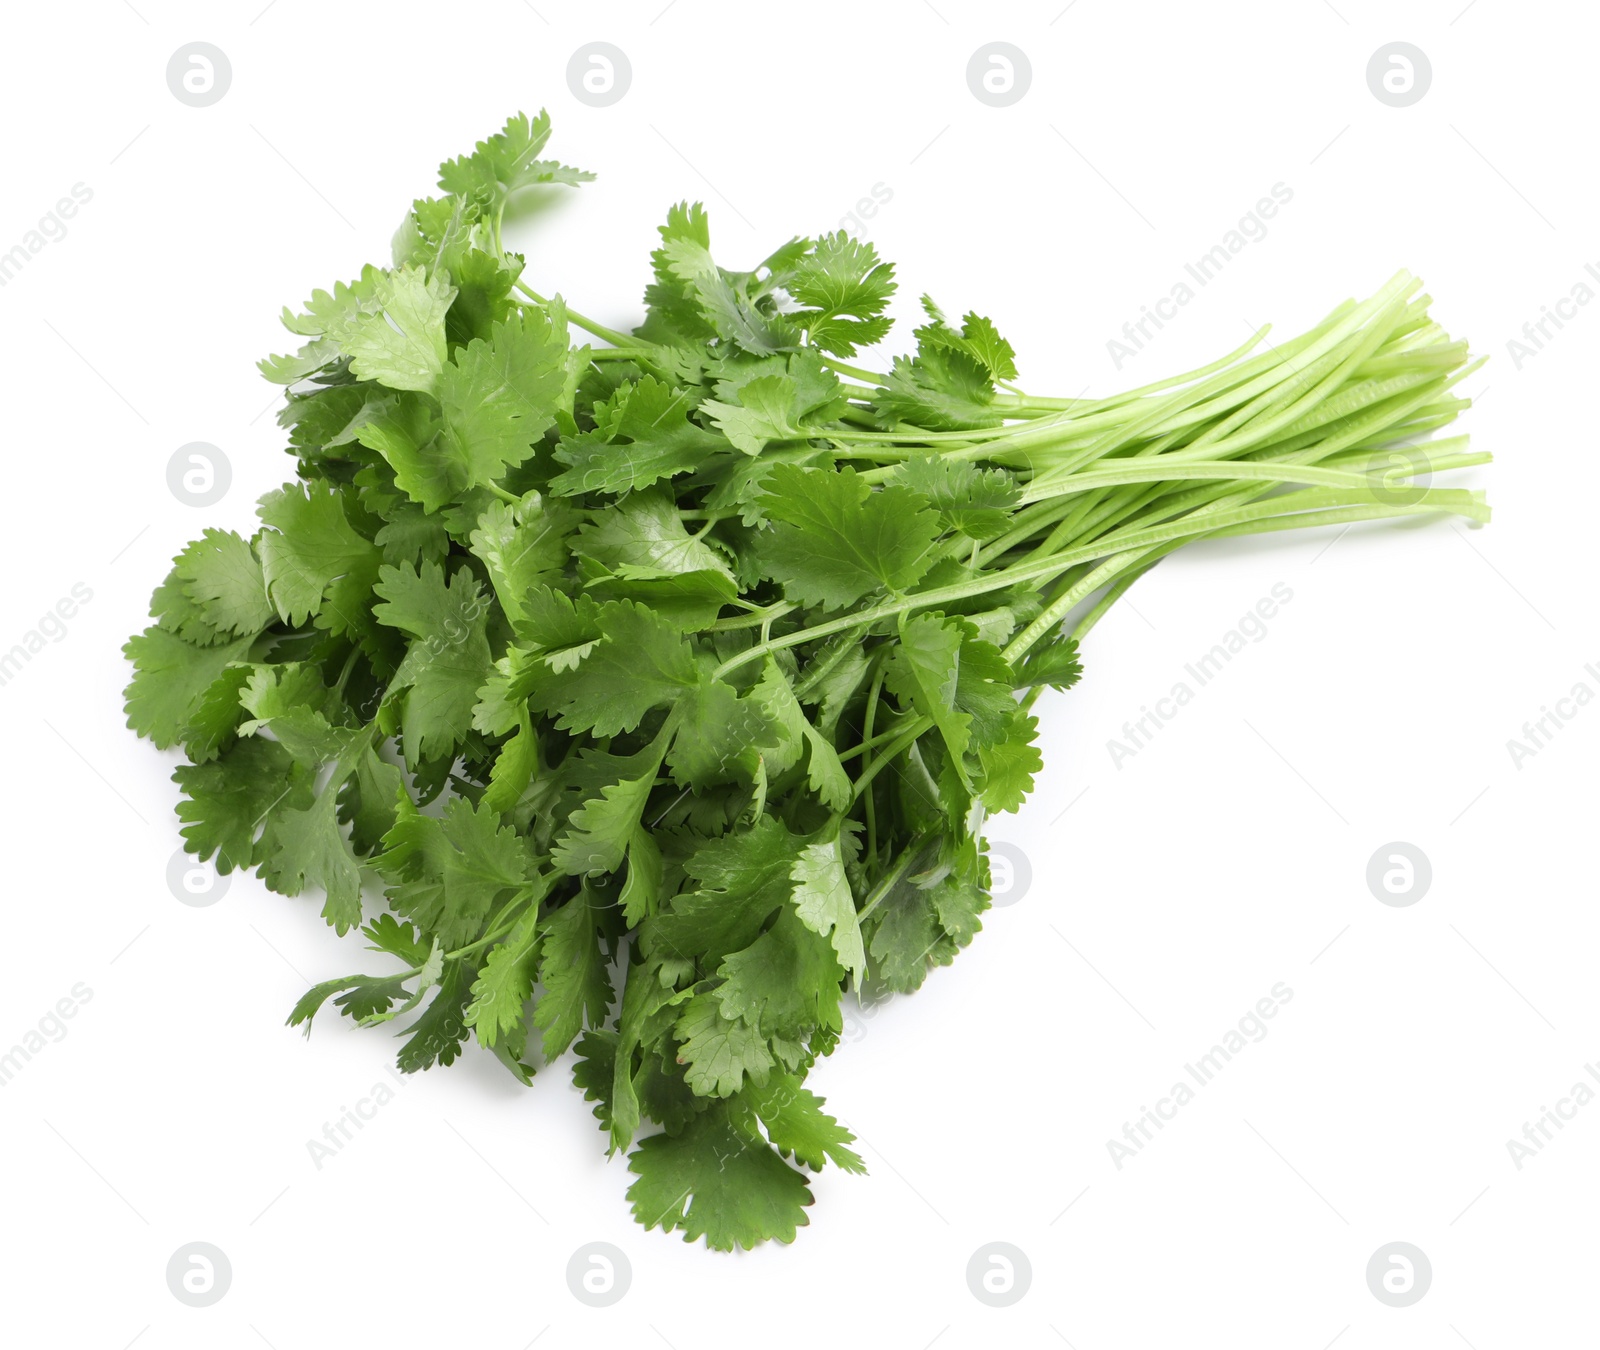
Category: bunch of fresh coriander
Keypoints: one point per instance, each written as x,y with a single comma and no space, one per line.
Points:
667,684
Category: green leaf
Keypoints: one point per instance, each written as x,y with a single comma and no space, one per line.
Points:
1054,663
642,434
924,672
976,502
216,717
448,659
719,1053
577,986
447,872
941,389
389,934
743,877
222,576
716,1182
799,1127
786,983
645,533
436,1036
308,544
514,768
825,903
775,399
599,833
722,300
845,289
824,772
507,161
499,396
641,663
401,345
227,800
837,540
407,432
520,548
1009,767
641,892
171,678
305,848
977,339
505,984
720,736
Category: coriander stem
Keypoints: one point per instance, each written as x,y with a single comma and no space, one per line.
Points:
588,325
898,747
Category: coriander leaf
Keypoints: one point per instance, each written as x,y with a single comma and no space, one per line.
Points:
228,799
504,984
641,892
448,659
775,398
436,1036
642,435
173,609
367,803
215,719
940,389
720,736
446,873
795,735
170,680
521,547
406,432
977,340
845,289
507,161
976,502
514,768
646,533
1009,766
923,673
305,848
715,1182
825,903
222,576
719,1053
743,877
402,344
723,298
837,540
594,1072
308,543
577,987
799,1127
641,663
389,934
498,396
598,834
1054,663
786,983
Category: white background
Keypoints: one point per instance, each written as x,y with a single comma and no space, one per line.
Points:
1167,896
